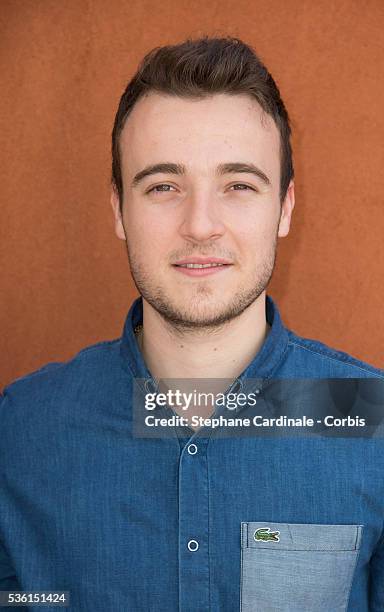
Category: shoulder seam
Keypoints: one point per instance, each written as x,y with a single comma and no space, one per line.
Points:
339,358
60,364
87,349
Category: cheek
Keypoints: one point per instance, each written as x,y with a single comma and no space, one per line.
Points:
254,233
258,217
150,239
145,220
255,244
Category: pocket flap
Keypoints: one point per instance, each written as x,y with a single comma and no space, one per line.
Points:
300,536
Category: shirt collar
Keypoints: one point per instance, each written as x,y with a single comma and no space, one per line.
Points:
263,366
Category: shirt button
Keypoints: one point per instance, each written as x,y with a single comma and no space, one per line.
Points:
192,449
193,545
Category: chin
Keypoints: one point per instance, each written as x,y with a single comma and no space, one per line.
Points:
196,313
202,306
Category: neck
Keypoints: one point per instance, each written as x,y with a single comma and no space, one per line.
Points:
221,353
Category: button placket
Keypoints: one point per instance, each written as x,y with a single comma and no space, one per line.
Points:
193,526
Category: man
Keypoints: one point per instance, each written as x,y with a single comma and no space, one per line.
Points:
125,519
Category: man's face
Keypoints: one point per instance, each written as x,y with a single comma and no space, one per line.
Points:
208,204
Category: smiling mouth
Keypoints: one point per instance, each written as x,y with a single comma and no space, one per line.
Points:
196,265
199,270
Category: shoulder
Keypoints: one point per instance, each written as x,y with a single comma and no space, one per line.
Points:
57,379
310,357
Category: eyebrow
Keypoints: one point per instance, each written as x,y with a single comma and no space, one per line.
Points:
179,169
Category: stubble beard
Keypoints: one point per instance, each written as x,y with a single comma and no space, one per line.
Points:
196,316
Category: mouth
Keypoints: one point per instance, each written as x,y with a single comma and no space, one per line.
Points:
202,268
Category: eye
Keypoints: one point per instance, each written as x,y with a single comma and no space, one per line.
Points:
243,187
163,187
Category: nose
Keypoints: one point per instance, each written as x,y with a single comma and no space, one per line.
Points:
202,220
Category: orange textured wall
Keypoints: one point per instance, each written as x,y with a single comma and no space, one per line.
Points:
64,276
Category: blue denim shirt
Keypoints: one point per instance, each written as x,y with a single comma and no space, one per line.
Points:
185,523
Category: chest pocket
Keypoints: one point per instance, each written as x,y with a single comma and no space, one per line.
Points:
287,567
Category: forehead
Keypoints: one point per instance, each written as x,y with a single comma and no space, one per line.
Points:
199,132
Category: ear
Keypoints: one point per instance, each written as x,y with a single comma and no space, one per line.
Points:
115,203
286,210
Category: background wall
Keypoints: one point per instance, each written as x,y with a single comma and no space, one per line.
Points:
65,282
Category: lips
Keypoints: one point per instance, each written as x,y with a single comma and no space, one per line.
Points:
200,262
198,267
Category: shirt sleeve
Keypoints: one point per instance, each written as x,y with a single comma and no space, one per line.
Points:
8,578
377,579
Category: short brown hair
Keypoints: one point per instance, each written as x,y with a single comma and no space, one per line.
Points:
201,67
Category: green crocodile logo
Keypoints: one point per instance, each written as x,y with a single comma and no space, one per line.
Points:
266,535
